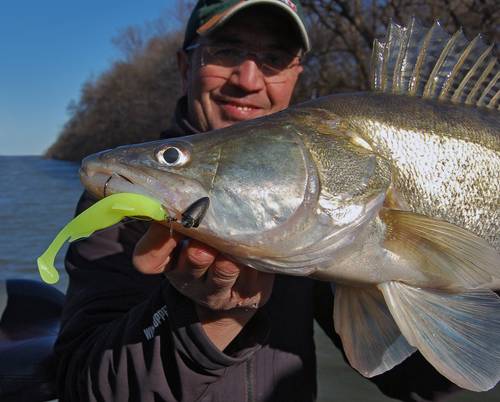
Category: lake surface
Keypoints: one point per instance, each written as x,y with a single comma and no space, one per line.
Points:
38,197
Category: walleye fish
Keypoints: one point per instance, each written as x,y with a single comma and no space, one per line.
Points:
392,194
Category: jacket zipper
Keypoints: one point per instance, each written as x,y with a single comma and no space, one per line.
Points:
250,380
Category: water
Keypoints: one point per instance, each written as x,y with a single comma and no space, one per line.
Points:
38,197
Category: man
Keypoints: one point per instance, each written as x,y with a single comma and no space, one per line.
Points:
199,327
220,94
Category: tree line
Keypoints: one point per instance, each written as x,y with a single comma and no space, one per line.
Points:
134,100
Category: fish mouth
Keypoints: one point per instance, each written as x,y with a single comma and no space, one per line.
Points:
102,179
115,176
103,183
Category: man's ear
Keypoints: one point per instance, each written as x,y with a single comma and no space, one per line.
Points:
183,66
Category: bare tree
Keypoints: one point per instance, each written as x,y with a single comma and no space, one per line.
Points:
131,102
343,32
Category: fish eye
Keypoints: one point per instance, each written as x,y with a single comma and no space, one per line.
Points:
172,156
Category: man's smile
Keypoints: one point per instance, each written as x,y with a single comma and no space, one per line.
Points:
237,110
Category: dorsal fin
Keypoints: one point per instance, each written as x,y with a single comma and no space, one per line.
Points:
433,64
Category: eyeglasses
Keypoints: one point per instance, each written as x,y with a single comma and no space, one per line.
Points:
274,64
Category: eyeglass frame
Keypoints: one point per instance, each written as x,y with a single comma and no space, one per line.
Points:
255,56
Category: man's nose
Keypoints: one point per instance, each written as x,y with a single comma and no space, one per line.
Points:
248,76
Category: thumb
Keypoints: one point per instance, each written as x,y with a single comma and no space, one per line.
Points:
223,274
152,252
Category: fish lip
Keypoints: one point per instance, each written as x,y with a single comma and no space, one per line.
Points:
111,177
104,182
94,182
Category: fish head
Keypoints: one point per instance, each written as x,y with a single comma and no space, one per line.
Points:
146,169
256,177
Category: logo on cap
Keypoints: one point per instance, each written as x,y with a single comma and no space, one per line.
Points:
290,4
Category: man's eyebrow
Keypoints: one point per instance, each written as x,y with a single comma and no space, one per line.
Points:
236,41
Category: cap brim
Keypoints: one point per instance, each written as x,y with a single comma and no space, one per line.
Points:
220,19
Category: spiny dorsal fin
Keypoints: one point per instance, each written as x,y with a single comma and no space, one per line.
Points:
432,64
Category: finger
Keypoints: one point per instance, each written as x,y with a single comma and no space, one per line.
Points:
254,287
222,275
153,251
195,259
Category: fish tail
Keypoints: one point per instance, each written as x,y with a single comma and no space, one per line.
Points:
430,63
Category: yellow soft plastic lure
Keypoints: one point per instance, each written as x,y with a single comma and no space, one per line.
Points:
102,214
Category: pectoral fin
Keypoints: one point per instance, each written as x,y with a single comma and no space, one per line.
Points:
449,254
458,333
371,339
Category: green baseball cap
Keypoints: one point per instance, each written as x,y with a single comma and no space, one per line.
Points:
207,15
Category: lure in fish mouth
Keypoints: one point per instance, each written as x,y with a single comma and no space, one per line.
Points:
193,215
102,184
101,177
392,197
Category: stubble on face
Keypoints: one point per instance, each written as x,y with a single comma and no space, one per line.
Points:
216,99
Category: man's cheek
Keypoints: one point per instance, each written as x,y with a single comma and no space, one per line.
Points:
208,82
212,112
280,97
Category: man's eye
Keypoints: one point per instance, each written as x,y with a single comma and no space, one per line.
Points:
226,53
278,60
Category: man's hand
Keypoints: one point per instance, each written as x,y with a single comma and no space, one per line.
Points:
227,294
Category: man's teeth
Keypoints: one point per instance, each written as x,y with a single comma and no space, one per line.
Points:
244,108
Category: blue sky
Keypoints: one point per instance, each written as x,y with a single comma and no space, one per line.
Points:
48,49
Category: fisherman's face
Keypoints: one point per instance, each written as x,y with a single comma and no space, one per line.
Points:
226,77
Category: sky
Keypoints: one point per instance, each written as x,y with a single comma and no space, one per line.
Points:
48,49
